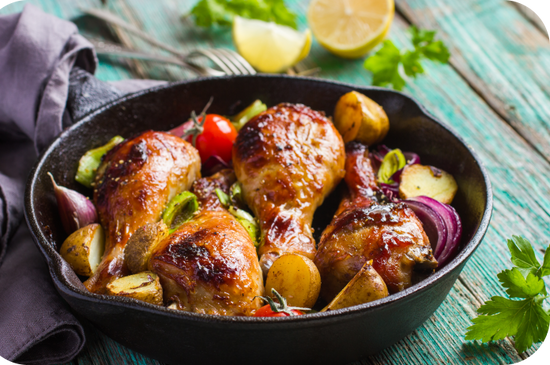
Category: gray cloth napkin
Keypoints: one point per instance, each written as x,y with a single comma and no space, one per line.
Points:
37,53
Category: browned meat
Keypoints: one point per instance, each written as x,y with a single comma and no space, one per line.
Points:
209,265
367,228
287,159
135,181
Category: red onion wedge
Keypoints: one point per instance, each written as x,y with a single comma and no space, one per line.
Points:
412,158
377,155
213,165
391,191
434,226
75,209
444,249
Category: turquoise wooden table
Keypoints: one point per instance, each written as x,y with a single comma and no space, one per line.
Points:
495,92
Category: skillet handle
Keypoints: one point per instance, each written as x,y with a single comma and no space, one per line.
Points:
87,93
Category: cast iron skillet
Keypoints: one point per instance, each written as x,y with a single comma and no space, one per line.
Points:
322,338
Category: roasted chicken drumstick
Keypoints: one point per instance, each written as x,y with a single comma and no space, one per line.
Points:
135,181
209,264
288,159
366,227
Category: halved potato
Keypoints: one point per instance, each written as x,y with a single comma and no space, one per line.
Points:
367,285
296,278
417,180
83,249
144,286
142,243
359,118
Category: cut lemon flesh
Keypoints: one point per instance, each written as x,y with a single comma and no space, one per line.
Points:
270,47
350,28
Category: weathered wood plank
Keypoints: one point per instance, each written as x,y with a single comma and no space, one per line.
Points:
501,54
532,16
518,175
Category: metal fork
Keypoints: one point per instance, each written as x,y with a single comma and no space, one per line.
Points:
229,62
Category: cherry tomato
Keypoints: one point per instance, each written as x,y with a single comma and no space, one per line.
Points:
214,138
266,311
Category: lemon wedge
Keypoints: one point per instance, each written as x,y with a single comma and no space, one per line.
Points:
350,28
270,47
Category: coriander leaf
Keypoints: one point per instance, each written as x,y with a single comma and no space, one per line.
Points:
209,12
388,63
518,286
281,14
437,51
500,321
545,270
533,326
421,36
384,65
523,255
411,63
222,12
525,319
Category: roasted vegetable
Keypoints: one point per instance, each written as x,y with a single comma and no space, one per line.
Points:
90,161
179,210
76,211
393,161
142,243
296,278
248,113
243,217
359,118
418,180
367,285
280,309
144,286
83,249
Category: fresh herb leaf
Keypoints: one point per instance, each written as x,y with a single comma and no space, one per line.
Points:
519,287
545,269
243,217
525,319
523,255
209,12
389,63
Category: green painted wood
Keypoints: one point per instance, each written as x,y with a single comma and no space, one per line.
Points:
503,56
517,171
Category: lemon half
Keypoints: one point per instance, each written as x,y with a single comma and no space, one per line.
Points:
350,28
270,47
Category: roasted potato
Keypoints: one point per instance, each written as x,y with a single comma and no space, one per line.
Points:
84,248
142,243
417,180
144,286
296,278
359,118
367,285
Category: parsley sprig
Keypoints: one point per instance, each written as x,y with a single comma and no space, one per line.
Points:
209,12
389,63
525,319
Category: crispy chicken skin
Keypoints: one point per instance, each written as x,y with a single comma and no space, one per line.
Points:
135,181
288,159
366,227
209,265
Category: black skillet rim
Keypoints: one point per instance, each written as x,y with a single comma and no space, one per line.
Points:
54,261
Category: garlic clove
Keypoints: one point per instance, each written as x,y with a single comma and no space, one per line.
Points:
75,209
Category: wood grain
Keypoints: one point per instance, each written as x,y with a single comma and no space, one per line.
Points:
496,81
502,55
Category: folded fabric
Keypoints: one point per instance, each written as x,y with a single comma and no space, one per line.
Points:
37,53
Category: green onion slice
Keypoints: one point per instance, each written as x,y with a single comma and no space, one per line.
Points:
90,161
179,210
392,162
248,113
242,216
